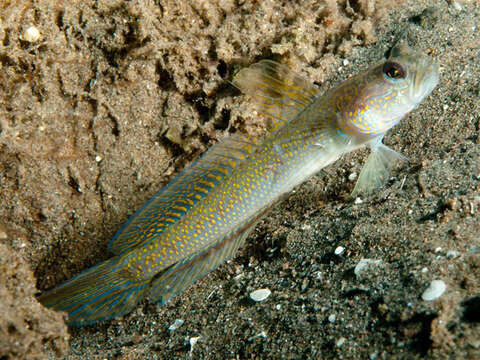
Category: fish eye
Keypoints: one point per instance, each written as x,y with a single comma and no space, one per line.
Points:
394,71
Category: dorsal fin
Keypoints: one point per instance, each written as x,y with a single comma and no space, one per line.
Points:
281,93
176,198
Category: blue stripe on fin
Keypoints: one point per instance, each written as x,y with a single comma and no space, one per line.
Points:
176,198
100,293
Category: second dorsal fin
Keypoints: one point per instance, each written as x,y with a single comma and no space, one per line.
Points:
281,93
176,198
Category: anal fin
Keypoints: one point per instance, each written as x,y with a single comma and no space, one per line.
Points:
181,275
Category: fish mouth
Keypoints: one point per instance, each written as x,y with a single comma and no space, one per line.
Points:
425,79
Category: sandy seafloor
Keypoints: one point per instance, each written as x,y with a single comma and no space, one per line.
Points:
116,97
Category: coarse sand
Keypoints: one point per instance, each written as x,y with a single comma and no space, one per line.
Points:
102,102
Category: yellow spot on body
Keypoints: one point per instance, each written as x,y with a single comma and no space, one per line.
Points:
181,208
207,183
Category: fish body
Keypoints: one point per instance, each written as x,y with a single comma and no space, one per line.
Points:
203,216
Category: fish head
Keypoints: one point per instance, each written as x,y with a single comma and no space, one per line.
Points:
373,102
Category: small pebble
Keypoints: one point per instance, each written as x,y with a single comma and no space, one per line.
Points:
306,227
3,232
98,158
364,265
260,295
278,307
434,291
339,250
474,249
352,176
239,277
32,34
262,335
345,62
332,318
425,270
438,249
340,342
452,254
193,341
457,6
176,324
358,201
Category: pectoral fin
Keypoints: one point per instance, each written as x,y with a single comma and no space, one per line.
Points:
376,170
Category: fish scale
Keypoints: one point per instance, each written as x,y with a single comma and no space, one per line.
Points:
201,218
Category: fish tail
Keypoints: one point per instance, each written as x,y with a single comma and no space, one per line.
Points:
100,293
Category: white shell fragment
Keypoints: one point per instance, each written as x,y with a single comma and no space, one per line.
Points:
340,341
193,342
176,324
365,265
457,6
260,295
434,291
32,34
451,254
262,335
339,250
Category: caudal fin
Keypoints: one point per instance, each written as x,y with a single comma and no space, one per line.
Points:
100,293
